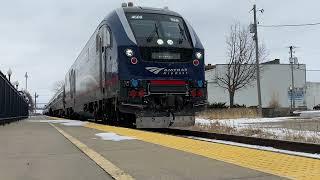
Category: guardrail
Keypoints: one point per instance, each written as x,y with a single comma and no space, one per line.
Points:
13,105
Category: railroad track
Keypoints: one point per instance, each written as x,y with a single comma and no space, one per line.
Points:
274,143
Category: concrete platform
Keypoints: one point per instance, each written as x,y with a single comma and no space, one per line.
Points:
36,150
150,161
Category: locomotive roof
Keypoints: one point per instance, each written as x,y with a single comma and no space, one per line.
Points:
138,9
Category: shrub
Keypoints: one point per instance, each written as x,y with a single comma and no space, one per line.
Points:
239,106
274,102
217,105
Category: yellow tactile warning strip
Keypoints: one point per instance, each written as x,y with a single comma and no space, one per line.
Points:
289,166
106,165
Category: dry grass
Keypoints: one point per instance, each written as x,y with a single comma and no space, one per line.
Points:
230,113
274,102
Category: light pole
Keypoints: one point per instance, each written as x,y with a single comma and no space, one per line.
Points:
26,76
16,84
35,102
9,74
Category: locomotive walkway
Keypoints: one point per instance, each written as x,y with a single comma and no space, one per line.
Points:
37,149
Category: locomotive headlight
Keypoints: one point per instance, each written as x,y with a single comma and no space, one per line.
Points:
198,55
129,52
134,83
200,83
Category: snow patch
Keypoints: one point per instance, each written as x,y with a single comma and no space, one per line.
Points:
254,123
308,114
200,121
75,123
283,132
65,122
113,137
241,121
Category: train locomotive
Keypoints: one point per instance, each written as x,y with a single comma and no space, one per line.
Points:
142,66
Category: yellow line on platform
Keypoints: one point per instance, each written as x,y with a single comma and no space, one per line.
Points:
284,165
106,165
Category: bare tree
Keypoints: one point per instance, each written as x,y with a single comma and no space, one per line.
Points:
29,99
58,85
240,69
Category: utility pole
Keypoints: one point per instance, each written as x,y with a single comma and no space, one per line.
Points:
26,76
255,26
35,102
293,93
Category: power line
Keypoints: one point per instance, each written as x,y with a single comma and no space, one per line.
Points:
291,25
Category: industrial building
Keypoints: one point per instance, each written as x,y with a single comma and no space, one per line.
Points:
275,86
312,94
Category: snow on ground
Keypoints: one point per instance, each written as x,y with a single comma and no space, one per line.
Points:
113,137
282,132
255,123
308,114
317,156
65,122
241,122
105,136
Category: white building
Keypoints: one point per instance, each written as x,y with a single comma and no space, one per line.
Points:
312,94
275,85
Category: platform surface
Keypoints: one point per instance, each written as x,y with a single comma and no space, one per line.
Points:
31,149
36,151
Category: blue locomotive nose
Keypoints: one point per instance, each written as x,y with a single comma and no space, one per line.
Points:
147,70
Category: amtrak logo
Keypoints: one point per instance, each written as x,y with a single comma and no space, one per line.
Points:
169,71
154,70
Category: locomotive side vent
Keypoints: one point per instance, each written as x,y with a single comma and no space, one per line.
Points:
168,86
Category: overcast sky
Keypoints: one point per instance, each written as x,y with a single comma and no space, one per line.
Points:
44,37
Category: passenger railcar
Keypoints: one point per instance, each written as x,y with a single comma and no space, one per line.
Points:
142,66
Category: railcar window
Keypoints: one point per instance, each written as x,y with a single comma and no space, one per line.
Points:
142,28
98,42
106,36
172,29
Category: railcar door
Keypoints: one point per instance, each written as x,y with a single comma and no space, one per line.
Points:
105,67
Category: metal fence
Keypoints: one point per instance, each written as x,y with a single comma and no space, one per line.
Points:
13,105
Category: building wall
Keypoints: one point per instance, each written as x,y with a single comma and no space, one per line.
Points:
275,84
312,94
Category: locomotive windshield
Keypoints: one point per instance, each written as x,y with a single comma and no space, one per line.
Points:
157,29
